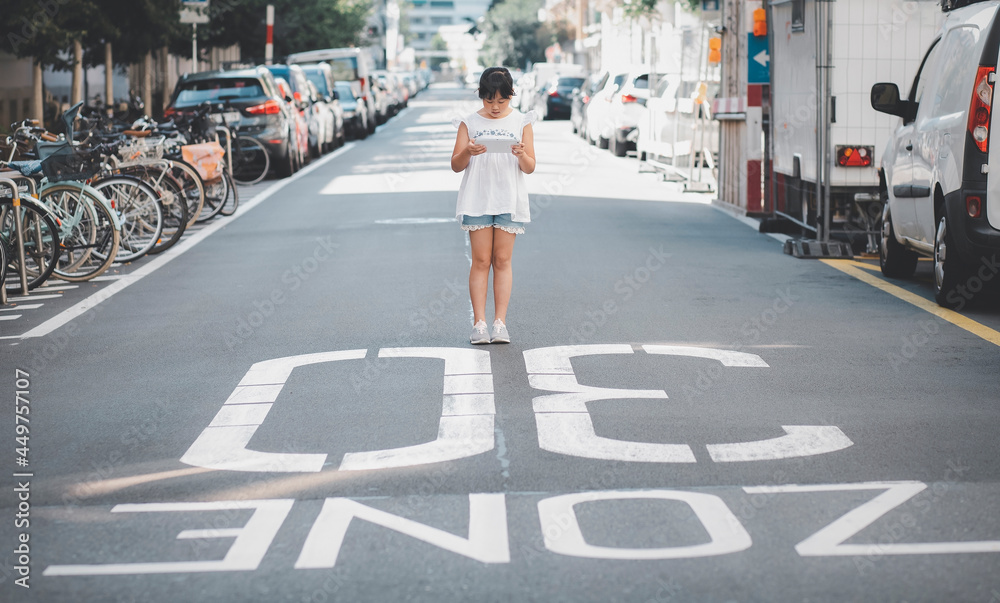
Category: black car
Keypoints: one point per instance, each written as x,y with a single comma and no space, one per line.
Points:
256,107
558,97
354,120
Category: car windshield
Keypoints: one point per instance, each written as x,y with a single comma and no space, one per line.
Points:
193,93
344,91
570,82
317,78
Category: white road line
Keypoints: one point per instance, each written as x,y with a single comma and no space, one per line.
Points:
166,257
33,297
10,316
22,307
54,287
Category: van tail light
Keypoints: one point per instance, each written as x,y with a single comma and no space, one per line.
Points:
269,107
169,112
554,93
628,98
361,82
979,108
974,206
854,156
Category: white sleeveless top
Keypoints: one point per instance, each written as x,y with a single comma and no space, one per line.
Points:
493,183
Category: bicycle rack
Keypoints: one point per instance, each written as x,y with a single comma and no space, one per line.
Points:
15,195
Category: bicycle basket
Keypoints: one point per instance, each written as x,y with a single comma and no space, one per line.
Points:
136,149
62,161
206,159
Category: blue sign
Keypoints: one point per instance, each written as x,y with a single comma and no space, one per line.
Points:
709,5
758,60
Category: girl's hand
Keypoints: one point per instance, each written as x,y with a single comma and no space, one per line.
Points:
476,149
517,149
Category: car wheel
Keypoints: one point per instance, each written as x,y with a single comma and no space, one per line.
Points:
895,260
948,271
618,147
602,142
286,166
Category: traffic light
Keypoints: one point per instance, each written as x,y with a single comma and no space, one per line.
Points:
759,22
715,50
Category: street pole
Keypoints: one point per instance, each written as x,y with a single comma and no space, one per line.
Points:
269,44
194,48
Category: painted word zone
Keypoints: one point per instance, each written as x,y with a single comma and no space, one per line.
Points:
466,425
488,542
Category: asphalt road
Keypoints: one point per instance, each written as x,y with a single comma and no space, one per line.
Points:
286,407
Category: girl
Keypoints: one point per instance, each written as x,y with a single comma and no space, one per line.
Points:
493,198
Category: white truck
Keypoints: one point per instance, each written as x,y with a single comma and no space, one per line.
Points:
869,41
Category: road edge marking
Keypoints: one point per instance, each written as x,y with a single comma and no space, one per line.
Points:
850,267
169,255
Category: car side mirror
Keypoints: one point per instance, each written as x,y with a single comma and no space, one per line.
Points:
885,99
335,95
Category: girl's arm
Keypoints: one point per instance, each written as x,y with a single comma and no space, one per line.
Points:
525,152
465,148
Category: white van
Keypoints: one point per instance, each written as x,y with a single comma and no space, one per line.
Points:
942,200
354,65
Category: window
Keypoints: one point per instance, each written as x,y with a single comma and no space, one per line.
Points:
959,50
442,4
798,15
440,20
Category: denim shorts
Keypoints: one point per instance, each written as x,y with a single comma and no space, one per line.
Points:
502,221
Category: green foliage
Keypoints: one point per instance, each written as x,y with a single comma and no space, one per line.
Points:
438,43
514,36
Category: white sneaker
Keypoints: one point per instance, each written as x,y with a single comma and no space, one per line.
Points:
479,334
500,334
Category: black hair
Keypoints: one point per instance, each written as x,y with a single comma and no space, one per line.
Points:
496,81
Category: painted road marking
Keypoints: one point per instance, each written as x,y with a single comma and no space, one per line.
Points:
851,268
245,553
21,307
563,535
465,428
565,426
488,539
829,541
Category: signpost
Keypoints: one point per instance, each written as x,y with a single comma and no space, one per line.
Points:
194,12
758,60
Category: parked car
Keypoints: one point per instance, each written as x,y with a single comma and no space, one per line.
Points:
934,171
252,93
581,97
353,65
312,107
355,117
614,112
383,99
555,99
301,148
677,122
321,76
399,94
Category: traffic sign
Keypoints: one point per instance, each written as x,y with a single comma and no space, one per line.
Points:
758,60
194,11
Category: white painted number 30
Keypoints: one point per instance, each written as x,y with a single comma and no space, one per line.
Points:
466,426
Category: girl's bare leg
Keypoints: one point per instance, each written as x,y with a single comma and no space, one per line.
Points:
479,275
503,275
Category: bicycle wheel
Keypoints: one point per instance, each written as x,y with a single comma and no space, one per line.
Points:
232,199
250,161
175,215
87,235
216,194
141,214
191,183
40,234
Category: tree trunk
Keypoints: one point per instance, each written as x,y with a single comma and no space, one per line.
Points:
147,82
109,85
76,88
165,84
38,94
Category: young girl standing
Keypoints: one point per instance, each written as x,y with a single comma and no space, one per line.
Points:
493,198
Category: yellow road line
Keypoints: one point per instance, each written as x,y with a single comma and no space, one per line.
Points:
854,269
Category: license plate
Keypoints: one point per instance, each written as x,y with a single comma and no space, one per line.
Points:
231,117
